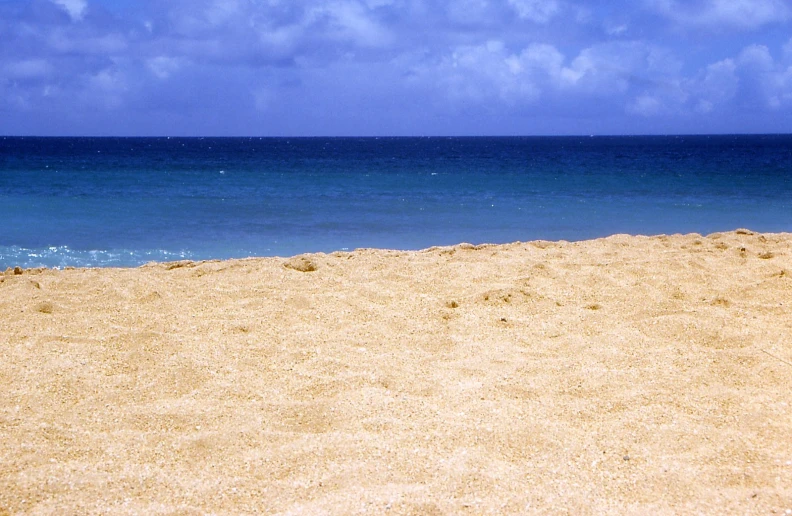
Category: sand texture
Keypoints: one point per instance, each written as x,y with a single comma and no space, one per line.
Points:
627,375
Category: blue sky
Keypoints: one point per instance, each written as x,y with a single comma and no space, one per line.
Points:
394,67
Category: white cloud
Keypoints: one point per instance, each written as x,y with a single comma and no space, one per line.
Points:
616,30
163,66
489,70
716,86
220,12
782,89
647,80
645,105
75,8
757,58
665,98
488,57
203,18
743,14
752,78
541,58
281,41
350,20
539,11
283,25
490,74
614,67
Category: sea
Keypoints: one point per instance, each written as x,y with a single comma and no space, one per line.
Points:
119,202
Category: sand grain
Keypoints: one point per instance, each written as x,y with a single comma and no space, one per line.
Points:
622,375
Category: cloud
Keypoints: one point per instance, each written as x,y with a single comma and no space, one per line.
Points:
616,30
645,105
752,80
756,57
715,86
492,13
741,14
489,71
767,81
441,63
539,11
603,68
540,77
75,8
163,66
272,32
617,67
350,21
645,80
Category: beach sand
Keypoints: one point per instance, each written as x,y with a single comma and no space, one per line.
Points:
626,375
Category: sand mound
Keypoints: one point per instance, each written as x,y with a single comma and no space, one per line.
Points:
637,375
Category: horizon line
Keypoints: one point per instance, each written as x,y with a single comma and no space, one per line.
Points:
373,137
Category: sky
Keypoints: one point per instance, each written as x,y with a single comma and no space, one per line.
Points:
394,67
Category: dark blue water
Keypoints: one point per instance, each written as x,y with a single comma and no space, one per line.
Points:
127,201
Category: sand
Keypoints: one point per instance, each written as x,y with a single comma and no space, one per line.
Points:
626,375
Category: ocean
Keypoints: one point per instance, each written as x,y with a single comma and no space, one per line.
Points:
99,202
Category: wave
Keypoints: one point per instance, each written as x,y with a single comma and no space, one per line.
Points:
59,257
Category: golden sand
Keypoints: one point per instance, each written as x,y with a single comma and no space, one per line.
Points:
642,375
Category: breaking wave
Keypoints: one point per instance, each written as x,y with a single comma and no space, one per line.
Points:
62,256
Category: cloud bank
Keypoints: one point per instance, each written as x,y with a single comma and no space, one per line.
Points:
380,67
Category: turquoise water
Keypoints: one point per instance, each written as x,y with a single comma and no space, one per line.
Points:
127,201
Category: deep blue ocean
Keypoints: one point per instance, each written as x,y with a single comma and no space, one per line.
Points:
128,201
